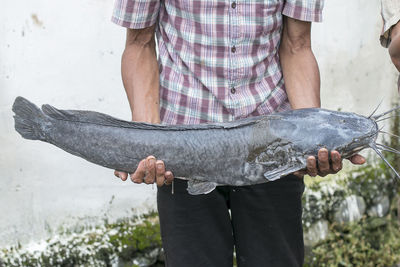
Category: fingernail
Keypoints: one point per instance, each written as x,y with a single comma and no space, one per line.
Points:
159,166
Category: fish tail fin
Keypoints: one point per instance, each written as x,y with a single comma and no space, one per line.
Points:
28,118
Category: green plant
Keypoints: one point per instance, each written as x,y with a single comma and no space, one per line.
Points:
370,242
122,241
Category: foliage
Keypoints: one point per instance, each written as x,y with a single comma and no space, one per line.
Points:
369,242
117,242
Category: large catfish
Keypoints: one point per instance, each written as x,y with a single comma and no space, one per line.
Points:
243,152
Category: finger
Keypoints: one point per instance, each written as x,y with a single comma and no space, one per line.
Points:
336,161
160,171
312,166
323,162
137,176
169,177
150,170
122,175
300,173
357,159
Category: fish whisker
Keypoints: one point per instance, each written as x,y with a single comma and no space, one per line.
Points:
384,159
373,112
383,114
387,118
390,134
386,148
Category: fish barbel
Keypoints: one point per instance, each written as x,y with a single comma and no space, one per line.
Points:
242,152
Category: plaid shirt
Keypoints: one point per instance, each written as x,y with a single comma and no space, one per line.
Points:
218,59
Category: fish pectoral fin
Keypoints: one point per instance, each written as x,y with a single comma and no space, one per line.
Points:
196,187
275,174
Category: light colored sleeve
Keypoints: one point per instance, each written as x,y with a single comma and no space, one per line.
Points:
135,14
305,10
390,11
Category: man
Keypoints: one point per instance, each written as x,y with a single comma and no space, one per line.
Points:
390,37
219,61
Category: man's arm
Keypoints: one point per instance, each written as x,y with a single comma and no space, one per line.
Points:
302,81
140,77
299,66
394,47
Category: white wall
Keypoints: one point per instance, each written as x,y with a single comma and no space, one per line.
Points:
67,53
69,56
356,71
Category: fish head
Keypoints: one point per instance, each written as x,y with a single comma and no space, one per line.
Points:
312,129
355,132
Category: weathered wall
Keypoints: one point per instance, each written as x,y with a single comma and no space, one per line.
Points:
67,53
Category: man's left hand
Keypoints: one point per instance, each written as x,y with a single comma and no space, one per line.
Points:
324,166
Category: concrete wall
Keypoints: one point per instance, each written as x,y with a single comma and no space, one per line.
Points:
67,53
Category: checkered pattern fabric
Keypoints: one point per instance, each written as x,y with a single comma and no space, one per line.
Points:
218,58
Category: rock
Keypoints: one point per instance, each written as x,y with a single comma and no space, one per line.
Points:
161,256
351,209
317,232
147,259
380,207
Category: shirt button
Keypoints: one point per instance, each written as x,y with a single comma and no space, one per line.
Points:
233,49
233,5
233,90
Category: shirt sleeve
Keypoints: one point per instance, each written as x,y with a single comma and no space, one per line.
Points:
135,14
390,11
305,10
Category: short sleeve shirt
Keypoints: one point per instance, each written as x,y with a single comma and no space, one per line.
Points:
218,59
390,11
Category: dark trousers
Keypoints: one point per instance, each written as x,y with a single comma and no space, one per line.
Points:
262,222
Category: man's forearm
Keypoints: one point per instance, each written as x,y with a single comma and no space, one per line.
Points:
140,75
299,66
141,81
394,47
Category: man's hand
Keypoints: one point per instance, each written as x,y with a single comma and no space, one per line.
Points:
324,166
149,171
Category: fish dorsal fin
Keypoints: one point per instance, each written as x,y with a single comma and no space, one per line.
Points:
84,116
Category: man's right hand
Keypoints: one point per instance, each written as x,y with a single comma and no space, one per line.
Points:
149,171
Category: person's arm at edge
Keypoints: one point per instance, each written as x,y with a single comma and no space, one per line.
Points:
302,82
394,47
140,76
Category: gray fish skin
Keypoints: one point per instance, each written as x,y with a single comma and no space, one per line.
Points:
244,152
